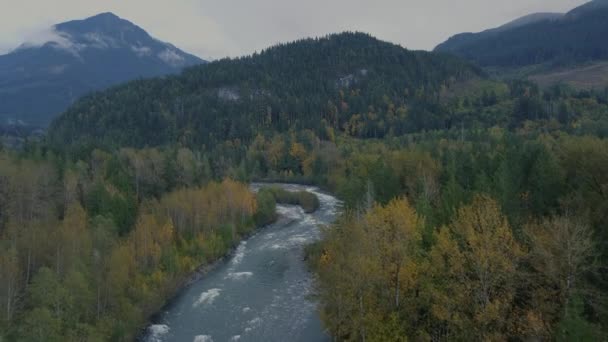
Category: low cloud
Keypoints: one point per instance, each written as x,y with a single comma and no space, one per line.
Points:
40,37
171,57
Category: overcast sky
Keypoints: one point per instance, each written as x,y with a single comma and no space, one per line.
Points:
219,28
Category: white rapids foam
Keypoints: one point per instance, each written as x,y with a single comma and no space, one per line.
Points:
272,255
278,246
239,275
156,331
309,220
253,324
291,242
207,297
290,212
202,338
239,254
299,239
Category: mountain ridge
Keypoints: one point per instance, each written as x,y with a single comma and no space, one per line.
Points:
320,84
527,42
530,19
76,57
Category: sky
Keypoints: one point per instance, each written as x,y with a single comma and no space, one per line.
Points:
213,29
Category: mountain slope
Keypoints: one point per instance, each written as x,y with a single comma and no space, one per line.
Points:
576,37
39,81
324,84
528,20
588,76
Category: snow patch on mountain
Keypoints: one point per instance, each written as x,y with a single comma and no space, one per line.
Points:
100,41
141,51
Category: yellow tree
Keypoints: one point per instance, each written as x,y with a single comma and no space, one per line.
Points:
562,250
481,256
418,173
348,267
298,152
145,249
396,231
275,152
149,238
73,242
447,291
119,271
369,268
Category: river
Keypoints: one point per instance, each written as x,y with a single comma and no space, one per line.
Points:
262,293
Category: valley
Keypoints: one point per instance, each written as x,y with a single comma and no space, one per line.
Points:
339,187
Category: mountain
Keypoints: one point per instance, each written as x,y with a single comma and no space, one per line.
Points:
40,80
325,84
551,39
527,20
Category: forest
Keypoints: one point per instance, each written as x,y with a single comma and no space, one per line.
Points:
474,209
89,250
496,237
318,84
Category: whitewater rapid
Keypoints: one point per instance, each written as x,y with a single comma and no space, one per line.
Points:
262,293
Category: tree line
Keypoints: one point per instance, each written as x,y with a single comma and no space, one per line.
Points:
498,237
89,250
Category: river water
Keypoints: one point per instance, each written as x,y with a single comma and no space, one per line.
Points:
262,293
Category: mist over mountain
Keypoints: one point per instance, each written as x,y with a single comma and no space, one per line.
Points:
42,77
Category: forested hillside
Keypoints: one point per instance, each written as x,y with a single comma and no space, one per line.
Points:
90,249
577,37
474,209
326,84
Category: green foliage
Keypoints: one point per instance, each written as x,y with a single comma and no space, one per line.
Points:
574,327
349,82
525,177
266,207
307,200
439,170
121,208
39,325
69,273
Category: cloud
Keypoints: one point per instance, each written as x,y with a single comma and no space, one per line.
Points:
171,57
59,40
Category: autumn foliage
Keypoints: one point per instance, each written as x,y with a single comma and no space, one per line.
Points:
70,272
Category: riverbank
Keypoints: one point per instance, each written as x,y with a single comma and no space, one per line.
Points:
298,181
197,275
307,200
155,323
263,292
